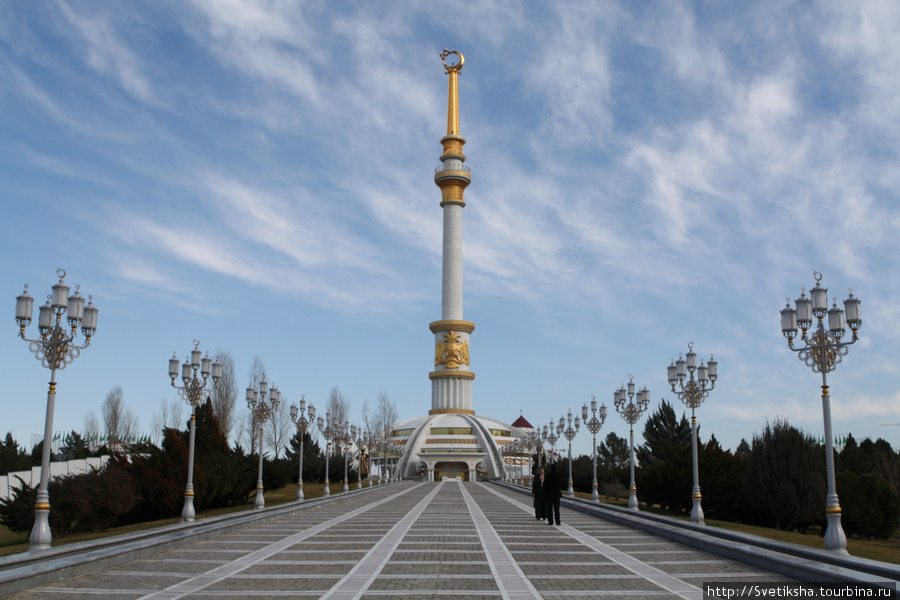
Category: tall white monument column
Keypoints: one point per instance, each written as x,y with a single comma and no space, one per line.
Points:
451,381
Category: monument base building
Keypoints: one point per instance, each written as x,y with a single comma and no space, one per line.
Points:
452,445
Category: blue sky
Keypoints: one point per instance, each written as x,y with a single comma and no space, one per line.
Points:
258,175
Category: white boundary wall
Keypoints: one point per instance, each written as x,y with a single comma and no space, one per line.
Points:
9,483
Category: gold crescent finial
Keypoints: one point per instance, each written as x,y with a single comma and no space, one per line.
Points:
458,66
818,276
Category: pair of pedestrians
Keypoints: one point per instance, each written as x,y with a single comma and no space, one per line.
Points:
546,489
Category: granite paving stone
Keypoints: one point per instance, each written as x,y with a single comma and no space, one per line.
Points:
274,584
300,568
451,540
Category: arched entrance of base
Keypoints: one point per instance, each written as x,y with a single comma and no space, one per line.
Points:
451,470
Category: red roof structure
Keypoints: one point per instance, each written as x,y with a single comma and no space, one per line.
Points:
522,423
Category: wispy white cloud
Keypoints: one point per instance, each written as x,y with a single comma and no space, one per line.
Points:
105,52
271,44
572,74
862,36
640,176
51,106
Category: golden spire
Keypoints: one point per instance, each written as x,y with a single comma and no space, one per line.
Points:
453,94
453,176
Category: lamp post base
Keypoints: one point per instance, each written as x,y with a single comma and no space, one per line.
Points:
697,510
300,491
260,501
187,513
632,499
345,487
326,491
40,534
595,493
835,540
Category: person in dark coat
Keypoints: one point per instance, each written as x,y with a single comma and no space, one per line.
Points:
552,493
537,492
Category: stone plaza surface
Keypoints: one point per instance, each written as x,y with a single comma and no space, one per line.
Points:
415,540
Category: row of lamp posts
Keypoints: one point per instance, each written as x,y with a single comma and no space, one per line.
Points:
346,433
691,393
56,347
823,350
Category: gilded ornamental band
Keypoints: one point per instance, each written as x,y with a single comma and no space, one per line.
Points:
452,375
451,411
464,326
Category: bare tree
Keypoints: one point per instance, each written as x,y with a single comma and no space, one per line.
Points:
244,431
338,405
169,415
121,424
380,421
383,417
249,426
113,410
92,430
279,429
385,413
224,395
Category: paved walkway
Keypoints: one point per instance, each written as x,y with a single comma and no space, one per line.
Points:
416,540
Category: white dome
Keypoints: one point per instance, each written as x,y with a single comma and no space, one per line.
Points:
451,445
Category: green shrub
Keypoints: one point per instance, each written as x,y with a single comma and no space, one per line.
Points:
17,512
870,508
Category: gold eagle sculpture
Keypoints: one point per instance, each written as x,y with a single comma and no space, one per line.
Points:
451,352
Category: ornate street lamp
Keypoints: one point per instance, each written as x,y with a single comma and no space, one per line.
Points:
693,392
517,463
511,452
525,444
505,454
382,463
824,350
358,437
55,348
371,454
374,445
262,412
631,412
194,393
344,440
534,441
570,435
551,434
390,462
328,427
541,455
302,423
594,425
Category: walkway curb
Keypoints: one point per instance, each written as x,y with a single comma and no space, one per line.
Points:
792,560
27,570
